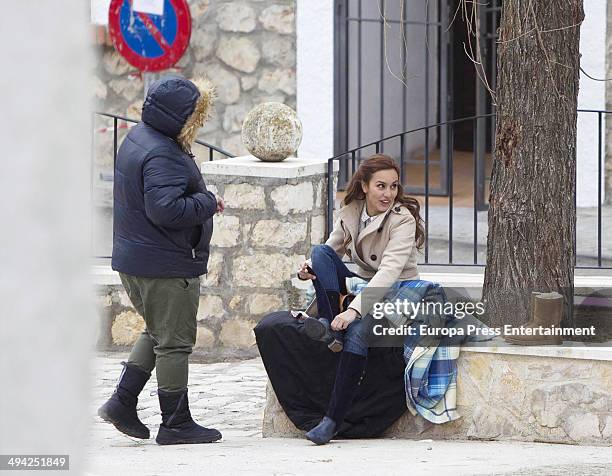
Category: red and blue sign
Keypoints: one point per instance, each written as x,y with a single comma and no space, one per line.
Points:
150,42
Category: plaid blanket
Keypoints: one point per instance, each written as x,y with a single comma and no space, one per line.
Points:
430,377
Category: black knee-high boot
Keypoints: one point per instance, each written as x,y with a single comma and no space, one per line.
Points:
120,408
348,376
319,329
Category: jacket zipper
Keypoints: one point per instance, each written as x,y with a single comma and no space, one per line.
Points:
193,253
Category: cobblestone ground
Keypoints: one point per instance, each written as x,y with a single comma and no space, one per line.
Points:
230,396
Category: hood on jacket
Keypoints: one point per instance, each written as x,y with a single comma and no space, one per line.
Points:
178,108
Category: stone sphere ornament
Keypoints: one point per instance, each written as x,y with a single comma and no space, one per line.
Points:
272,132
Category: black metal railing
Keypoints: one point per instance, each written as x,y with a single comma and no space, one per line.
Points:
123,123
350,161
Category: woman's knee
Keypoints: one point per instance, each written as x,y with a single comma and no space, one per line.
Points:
355,346
354,340
320,251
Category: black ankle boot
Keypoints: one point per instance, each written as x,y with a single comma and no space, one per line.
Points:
323,432
177,425
319,329
348,375
120,408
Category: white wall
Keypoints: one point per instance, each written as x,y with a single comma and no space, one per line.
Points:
315,84
99,11
592,95
315,77
45,297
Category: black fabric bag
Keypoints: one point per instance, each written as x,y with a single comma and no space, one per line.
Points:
302,373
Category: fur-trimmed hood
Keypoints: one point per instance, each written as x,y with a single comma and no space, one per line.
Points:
178,108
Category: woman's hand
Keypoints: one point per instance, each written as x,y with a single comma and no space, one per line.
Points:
342,320
304,273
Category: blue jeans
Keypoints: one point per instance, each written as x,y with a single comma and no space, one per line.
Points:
331,273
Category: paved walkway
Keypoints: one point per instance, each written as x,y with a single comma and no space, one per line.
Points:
463,235
231,397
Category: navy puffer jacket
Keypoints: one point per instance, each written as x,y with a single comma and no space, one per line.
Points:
162,210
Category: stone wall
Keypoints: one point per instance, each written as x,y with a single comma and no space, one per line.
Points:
119,325
246,48
266,231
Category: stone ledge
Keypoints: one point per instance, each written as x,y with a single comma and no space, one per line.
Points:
459,279
104,275
568,350
275,423
507,397
249,166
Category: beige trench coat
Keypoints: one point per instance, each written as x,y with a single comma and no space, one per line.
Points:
384,252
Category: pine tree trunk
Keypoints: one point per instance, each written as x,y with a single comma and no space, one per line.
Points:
532,213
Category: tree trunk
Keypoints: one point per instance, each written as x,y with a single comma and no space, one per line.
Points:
532,213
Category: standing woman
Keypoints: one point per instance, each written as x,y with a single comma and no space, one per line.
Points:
379,229
163,222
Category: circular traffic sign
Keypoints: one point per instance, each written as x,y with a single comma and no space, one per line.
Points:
148,41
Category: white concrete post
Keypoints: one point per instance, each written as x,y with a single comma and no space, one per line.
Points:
45,306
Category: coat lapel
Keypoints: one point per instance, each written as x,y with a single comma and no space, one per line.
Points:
373,226
350,217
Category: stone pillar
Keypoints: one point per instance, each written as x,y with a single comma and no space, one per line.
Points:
275,212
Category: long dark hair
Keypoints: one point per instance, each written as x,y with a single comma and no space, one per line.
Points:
369,167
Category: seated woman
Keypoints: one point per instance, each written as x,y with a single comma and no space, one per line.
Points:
379,229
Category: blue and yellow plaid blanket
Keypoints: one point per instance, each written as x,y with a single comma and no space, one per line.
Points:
430,377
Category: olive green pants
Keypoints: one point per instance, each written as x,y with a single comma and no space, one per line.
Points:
169,307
